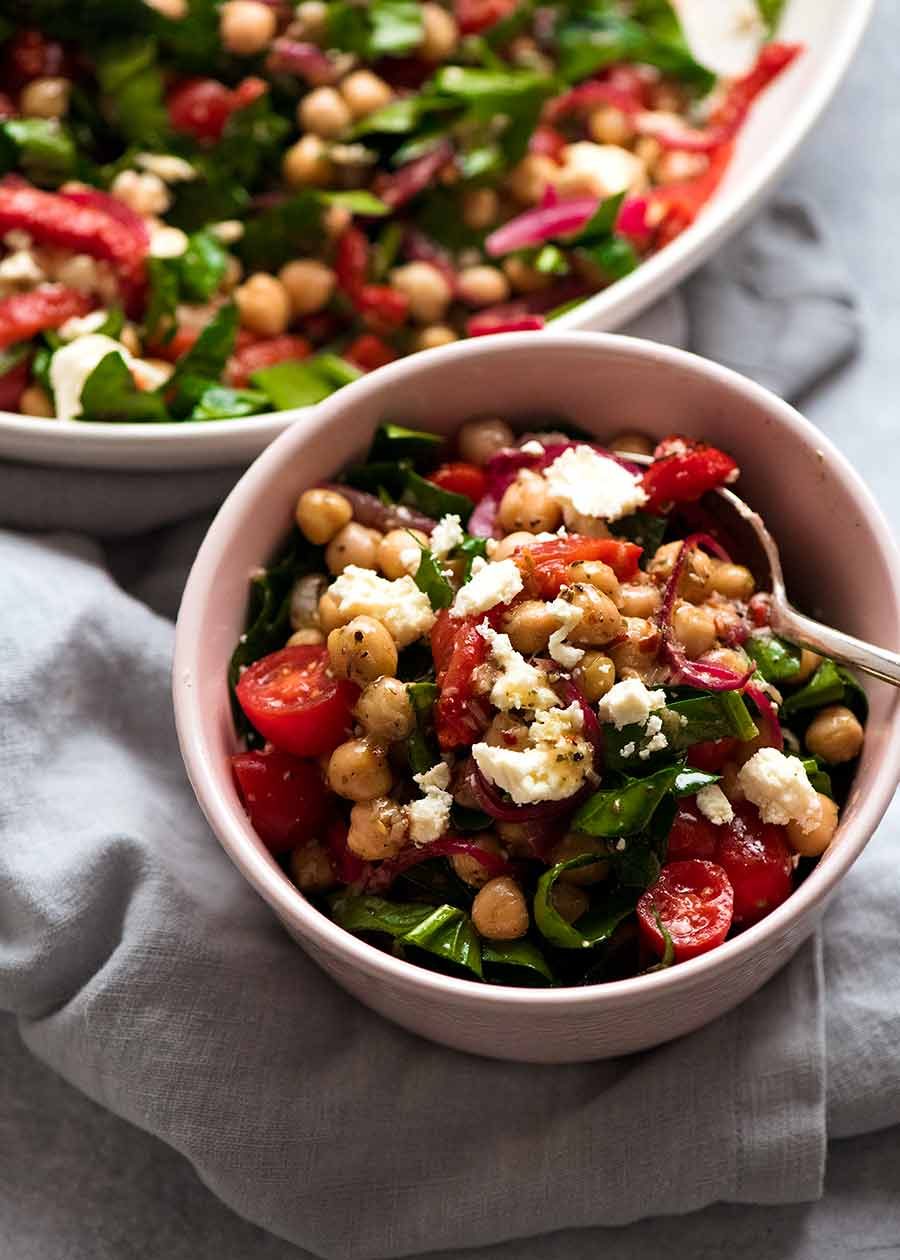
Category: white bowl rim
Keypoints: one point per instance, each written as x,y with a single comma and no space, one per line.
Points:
289,903
612,307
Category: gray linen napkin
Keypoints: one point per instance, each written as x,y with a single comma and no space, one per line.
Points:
144,970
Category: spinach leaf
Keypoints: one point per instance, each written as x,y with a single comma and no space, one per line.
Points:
285,231
40,147
421,749
203,364
131,82
380,478
375,914
514,962
464,819
601,222
471,548
429,578
251,142
644,529
595,926
615,257
109,393
689,781
220,402
625,810
818,776
777,660
830,684
302,383
715,715
164,291
193,276
445,932
381,28
434,501
588,41
394,442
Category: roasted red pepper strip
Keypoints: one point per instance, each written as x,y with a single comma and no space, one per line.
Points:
369,352
458,649
672,208
24,315
773,58
544,566
351,262
474,16
684,471
53,219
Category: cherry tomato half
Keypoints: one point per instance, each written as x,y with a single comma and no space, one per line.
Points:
294,701
711,754
694,901
461,478
691,835
758,861
201,107
263,354
457,648
285,798
369,352
477,15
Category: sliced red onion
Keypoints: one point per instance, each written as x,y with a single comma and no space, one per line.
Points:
768,713
370,511
632,220
589,95
483,521
381,877
536,226
412,178
306,61
487,323
503,468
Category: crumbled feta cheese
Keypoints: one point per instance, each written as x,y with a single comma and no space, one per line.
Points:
627,750
167,242
80,326
714,805
404,609
447,534
552,768
629,702
411,558
519,685
656,740
73,363
430,816
228,231
726,36
169,168
533,447
22,268
569,616
584,483
779,788
490,584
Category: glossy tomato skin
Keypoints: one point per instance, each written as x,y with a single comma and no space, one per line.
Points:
201,107
691,835
694,901
285,797
461,478
711,754
13,383
293,700
474,16
369,352
544,566
263,354
759,863
684,471
458,649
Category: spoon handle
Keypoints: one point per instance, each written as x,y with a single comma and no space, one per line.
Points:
841,647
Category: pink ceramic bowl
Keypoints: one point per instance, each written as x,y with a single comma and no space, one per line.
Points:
840,560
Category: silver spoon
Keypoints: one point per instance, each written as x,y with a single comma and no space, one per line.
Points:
785,620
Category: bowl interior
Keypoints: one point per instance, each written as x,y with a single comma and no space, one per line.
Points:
839,558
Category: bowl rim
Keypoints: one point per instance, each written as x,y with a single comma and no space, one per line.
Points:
610,308
232,828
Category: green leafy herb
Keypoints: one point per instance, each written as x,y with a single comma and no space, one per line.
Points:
830,684
644,529
294,226
192,276
551,261
40,147
429,578
302,383
689,781
472,548
592,38
595,926
445,932
110,394
434,501
625,810
219,402
203,364
777,660
164,291
715,715
394,442
515,962
421,747
12,356
818,776
381,28
132,86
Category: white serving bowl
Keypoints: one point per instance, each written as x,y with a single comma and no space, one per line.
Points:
829,29
840,560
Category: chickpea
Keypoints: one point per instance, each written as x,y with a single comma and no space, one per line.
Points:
595,675
734,581
509,545
529,178
569,901
523,277
640,599
673,167
636,655
695,629
499,911
358,770
335,221
696,572
516,839
469,869
729,658
814,843
379,829
530,625
309,285
480,208
324,112
575,844
399,552
601,622
482,286
649,150
263,305
385,711
246,27
311,868
608,125
440,34
629,443
506,731
312,20
597,574
526,505
433,336
809,663
307,637
35,401
321,514
45,98
426,290
354,544
306,164
362,651
835,735
329,616
364,92
480,440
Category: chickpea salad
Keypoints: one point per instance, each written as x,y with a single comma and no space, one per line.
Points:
222,208
513,710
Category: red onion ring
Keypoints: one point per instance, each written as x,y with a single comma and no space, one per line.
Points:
369,511
380,878
768,713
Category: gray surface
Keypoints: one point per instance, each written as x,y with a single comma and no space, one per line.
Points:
101,1189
